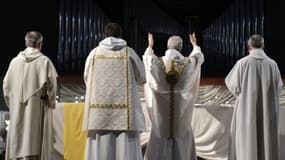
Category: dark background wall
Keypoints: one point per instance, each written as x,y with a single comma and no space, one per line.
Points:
81,24
18,17
274,31
225,40
71,28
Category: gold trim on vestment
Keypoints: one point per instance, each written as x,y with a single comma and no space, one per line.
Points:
171,118
172,77
127,76
90,92
109,56
109,106
112,106
160,61
181,69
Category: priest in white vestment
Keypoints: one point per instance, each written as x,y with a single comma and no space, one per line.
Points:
29,89
113,112
173,85
256,82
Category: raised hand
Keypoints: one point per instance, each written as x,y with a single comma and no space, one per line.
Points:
150,40
193,39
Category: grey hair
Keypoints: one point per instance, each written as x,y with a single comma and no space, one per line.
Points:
256,41
175,42
33,39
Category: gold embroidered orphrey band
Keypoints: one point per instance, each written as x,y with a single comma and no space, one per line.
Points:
171,105
109,106
106,56
180,69
113,106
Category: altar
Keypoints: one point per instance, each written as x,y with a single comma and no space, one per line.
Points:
210,123
69,138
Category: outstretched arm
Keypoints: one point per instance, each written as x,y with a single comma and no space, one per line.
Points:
193,39
149,50
196,55
150,40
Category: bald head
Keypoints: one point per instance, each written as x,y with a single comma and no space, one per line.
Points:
175,42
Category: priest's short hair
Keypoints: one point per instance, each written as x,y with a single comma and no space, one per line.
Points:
113,30
175,42
33,39
256,41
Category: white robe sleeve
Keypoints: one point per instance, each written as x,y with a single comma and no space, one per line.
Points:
233,80
280,81
6,85
88,62
87,78
51,91
153,73
138,67
51,85
6,90
149,52
148,60
196,56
